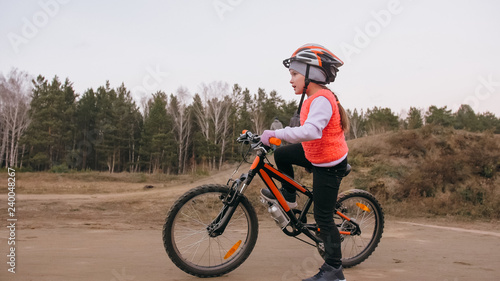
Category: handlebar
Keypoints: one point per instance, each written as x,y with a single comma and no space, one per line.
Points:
247,137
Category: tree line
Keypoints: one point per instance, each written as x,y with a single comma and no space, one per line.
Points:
379,120
46,125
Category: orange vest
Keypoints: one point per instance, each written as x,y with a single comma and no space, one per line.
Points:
332,145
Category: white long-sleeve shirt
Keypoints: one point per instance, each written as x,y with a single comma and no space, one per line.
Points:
319,115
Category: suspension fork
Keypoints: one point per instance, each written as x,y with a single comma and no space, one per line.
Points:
219,224
231,202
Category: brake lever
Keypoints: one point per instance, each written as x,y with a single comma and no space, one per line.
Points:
262,147
256,146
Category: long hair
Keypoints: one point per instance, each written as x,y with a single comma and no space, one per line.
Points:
344,119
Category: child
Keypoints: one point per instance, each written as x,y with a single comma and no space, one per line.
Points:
318,144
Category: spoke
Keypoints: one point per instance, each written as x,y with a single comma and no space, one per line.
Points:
194,219
203,254
196,212
196,251
353,243
221,249
366,226
365,219
188,246
186,236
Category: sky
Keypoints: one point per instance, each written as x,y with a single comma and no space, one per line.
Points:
397,53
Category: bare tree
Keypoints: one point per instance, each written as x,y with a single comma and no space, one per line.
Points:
182,125
15,92
221,111
218,109
257,112
355,121
200,109
258,118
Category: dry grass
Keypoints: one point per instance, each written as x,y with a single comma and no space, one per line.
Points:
95,182
430,171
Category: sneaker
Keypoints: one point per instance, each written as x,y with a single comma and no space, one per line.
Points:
289,198
328,273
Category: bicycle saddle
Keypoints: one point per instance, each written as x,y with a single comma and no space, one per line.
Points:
347,170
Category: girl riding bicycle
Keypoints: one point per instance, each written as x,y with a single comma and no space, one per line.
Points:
318,145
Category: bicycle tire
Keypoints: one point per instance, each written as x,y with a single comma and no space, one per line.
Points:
207,256
357,248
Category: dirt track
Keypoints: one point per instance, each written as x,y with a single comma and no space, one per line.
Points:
118,237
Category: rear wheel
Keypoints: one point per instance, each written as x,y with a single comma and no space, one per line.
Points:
367,218
187,239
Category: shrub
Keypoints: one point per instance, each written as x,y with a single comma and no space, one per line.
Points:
407,144
472,195
62,168
484,155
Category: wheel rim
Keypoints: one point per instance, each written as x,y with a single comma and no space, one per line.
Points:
365,214
192,241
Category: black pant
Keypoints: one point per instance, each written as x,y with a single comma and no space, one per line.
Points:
326,182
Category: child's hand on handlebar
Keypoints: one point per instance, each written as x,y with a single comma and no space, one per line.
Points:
266,135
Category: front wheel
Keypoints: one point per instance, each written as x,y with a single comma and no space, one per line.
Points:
187,238
365,211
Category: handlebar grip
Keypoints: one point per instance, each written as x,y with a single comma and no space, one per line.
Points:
275,141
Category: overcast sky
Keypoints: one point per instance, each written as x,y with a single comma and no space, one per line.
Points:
397,54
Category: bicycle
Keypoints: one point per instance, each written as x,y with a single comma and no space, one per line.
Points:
212,229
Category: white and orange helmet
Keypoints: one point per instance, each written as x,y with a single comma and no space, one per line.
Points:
317,56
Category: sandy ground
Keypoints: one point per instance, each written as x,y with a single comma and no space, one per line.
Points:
117,237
